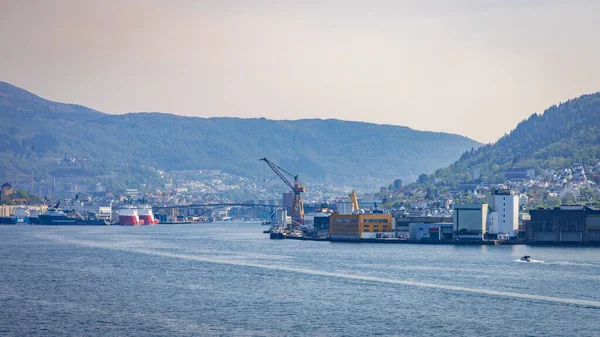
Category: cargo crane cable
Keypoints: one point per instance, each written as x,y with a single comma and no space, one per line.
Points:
297,213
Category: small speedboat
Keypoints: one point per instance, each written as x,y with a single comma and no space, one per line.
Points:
526,258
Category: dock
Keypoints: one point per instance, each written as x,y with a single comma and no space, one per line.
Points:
415,242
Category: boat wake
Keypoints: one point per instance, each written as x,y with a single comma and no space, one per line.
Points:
566,263
562,263
365,278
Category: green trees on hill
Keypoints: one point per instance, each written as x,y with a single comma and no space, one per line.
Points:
564,134
20,194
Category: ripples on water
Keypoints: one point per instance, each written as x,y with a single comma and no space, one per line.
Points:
230,279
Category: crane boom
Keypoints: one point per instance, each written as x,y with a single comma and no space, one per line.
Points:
297,211
278,171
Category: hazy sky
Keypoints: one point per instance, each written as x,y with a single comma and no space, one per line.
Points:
475,68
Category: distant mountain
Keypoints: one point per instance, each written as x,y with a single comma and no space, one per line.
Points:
19,103
564,134
36,133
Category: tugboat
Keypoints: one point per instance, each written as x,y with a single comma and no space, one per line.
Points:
276,233
526,258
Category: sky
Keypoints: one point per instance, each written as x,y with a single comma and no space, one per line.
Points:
474,68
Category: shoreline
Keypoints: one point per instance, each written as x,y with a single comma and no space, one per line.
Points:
455,243
402,241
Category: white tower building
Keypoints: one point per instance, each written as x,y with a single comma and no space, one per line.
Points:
504,213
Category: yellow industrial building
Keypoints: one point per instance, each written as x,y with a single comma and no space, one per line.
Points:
352,226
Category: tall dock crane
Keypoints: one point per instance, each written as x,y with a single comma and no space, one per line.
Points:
297,213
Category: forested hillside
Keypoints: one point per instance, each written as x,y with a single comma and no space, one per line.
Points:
35,134
564,134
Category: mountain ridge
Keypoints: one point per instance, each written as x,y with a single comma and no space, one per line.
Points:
560,136
31,104
35,133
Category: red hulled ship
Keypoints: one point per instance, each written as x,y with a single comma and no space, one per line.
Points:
146,215
128,216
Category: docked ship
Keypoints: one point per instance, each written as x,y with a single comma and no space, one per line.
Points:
22,214
145,214
8,220
57,217
34,217
128,216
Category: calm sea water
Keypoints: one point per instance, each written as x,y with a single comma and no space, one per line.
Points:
230,279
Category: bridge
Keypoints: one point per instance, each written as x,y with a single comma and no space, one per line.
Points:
264,211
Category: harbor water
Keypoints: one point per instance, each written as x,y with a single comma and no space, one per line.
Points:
229,279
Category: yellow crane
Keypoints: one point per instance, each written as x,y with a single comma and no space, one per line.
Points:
354,201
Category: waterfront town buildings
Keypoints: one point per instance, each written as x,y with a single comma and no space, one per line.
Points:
518,173
565,224
470,221
397,184
404,223
417,210
503,218
432,231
